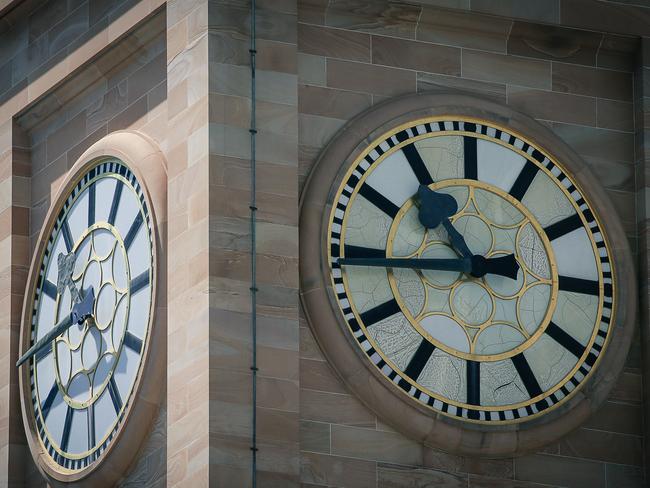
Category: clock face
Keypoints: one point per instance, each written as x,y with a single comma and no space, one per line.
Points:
83,381
490,349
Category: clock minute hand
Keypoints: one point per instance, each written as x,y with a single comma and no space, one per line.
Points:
80,312
477,266
464,265
435,209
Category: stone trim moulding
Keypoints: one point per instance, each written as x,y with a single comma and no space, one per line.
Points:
145,159
605,16
24,94
317,296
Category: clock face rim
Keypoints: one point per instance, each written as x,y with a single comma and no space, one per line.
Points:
466,410
140,155
321,308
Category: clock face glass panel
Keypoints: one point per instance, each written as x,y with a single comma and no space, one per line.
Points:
490,349
83,381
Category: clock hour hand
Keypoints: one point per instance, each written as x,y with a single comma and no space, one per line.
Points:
66,268
80,312
456,239
435,209
503,266
477,266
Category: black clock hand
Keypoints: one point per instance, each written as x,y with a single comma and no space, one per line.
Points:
503,266
464,265
477,266
80,312
456,239
64,278
435,209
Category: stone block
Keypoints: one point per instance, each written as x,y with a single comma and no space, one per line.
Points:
374,16
375,445
613,175
333,43
561,471
369,78
402,53
277,426
559,107
619,476
615,115
132,117
486,482
41,20
598,143
547,11
593,82
606,16
554,42
618,52
501,68
308,346
314,436
318,375
277,393
66,136
71,27
312,69
334,408
317,131
463,29
276,56
329,102
322,469
394,476
438,83
603,446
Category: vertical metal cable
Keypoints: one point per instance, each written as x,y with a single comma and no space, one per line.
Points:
253,210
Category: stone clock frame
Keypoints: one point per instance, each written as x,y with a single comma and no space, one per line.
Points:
146,161
362,378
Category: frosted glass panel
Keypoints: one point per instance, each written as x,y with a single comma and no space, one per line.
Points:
105,415
140,253
139,312
127,367
575,256
52,266
56,417
394,179
46,317
127,211
498,165
78,216
78,442
104,190
45,377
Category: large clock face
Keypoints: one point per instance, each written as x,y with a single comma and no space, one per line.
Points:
480,347
83,381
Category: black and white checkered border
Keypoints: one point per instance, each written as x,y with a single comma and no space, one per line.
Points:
104,168
397,377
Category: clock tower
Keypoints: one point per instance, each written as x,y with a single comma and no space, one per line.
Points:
309,243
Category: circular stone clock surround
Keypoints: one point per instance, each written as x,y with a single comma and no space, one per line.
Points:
319,303
143,157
